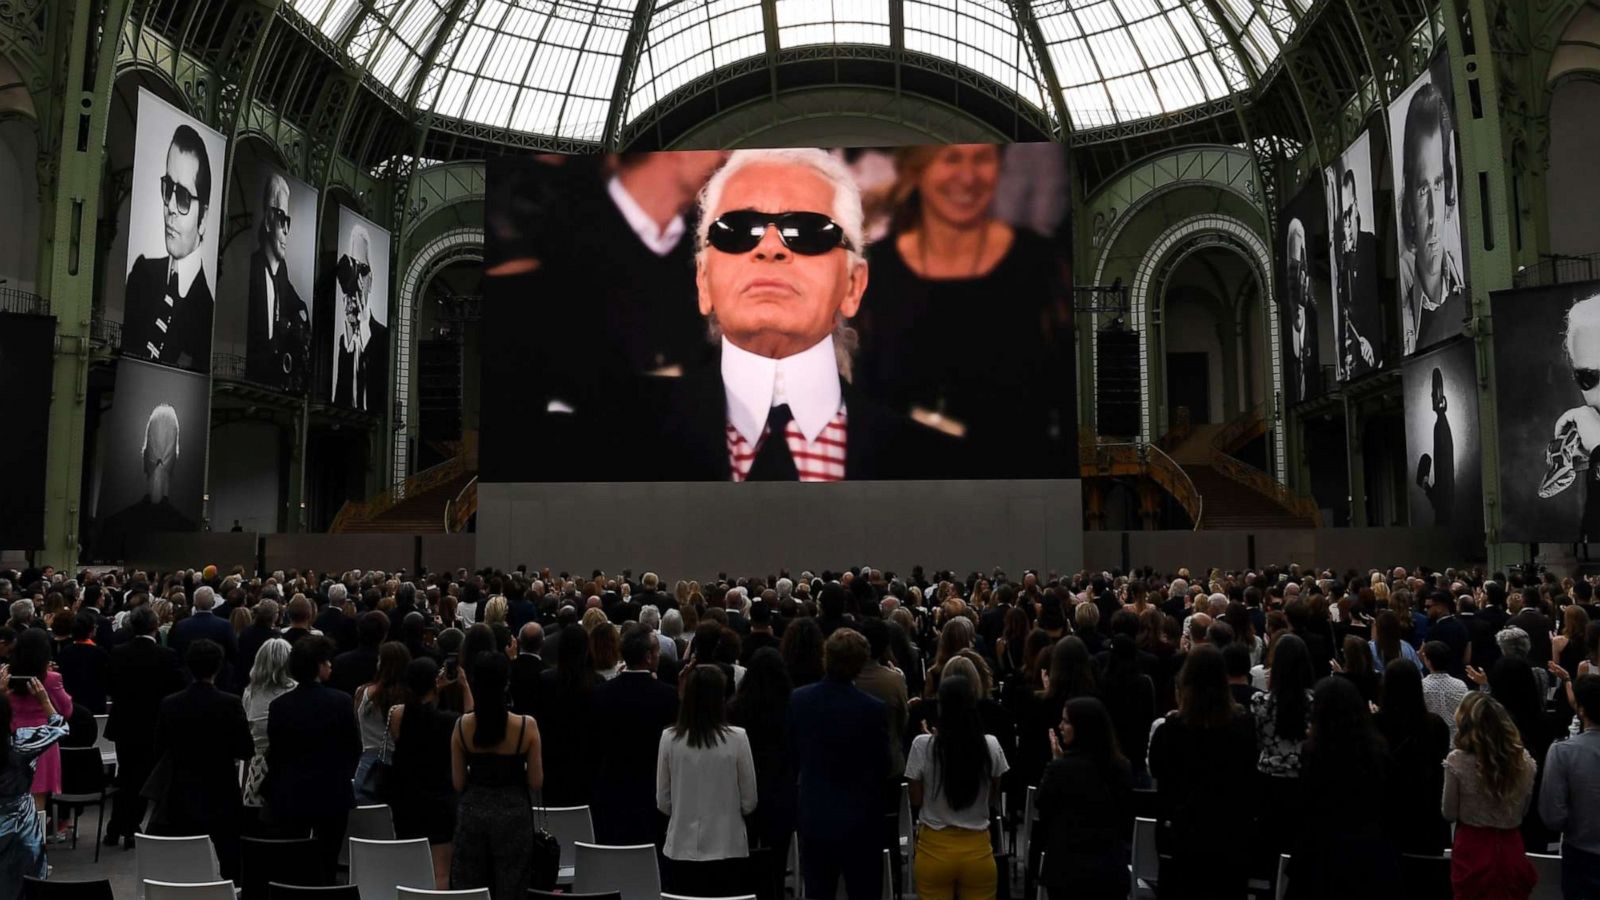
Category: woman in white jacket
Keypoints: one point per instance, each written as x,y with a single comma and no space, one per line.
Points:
705,785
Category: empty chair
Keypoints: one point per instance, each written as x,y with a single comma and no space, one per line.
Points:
83,784
374,822
569,825
39,889
406,893
166,890
261,862
630,870
276,891
108,750
1548,868
536,894
907,833
1144,869
1283,876
378,868
176,860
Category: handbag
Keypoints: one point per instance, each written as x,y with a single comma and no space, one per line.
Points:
379,780
546,848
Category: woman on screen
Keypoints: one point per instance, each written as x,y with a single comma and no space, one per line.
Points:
958,325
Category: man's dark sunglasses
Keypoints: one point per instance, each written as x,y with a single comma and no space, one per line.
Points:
1586,378
186,198
278,218
806,233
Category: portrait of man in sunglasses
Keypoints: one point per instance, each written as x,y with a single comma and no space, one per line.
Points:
1305,372
779,272
1574,450
278,348
167,316
360,341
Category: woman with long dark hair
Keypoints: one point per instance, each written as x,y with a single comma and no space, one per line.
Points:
373,701
1388,643
1207,743
1342,848
1488,784
564,701
21,836
30,658
1085,806
705,785
954,775
1282,718
1010,648
1418,742
1355,664
801,649
761,707
422,796
1130,700
496,767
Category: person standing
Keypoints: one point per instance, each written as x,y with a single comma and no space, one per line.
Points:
313,745
205,732
761,708
1488,783
705,785
955,778
423,799
269,680
839,737
631,710
1569,799
495,766
1085,805
30,658
143,673
21,837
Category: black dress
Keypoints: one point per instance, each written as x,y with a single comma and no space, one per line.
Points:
423,799
1193,768
494,824
983,351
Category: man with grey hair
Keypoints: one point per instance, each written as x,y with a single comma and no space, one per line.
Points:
778,271
1574,452
203,623
278,330
650,617
361,343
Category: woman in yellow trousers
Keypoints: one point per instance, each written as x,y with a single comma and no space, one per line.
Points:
955,779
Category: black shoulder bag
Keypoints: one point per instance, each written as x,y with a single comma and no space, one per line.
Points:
546,849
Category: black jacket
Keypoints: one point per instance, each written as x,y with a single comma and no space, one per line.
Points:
209,626
525,672
187,344
339,628
283,360
352,670
313,746
143,673
687,428
205,731
630,711
1087,818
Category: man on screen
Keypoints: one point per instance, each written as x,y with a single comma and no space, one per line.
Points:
278,353
158,456
1431,287
1574,451
167,316
360,341
1357,356
1436,472
779,270
1303,367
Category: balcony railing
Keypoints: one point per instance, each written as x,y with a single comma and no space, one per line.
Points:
1559,268
23,302
227,365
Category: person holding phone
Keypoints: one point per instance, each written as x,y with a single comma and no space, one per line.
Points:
30,659
21,837
423,798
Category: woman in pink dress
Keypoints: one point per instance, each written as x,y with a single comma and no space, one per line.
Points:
30,658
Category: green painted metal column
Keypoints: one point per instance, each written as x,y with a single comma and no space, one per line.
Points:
70,211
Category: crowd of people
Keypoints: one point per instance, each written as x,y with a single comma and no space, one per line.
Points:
1343,719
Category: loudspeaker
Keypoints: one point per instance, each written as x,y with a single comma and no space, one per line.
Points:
1117,380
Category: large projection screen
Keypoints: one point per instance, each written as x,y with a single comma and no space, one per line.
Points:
1444,463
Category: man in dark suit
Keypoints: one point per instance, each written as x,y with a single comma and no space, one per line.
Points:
526,668
143,673
336,622
629,713
779,271
1305,379
1356,288
278,332
361,342
206,733
313,745
203,624
168,307
357,667
520,610
839,736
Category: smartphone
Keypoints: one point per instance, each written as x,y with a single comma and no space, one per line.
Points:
451,667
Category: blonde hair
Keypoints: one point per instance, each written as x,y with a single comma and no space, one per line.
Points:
1485,730
594,618
495,611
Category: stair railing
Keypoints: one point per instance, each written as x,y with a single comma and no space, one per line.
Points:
357,511
1235,434
459,510
1149,460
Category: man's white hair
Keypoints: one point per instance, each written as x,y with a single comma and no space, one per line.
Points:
1583,314
204,598
337,593
846,210
359,236
165,415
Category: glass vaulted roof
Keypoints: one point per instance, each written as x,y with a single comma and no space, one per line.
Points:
551,67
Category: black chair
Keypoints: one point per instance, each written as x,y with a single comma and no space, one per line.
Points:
83,784
39,889
262,861
276,891
552,895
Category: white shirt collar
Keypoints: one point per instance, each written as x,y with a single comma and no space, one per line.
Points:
661,241
188,269
808,381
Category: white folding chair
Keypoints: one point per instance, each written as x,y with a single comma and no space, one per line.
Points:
175,860
908,834
374,822
379,868
1144,868
569,825
108,750
407,893
630,870
1548,868
166,890
1283,876
1025,833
